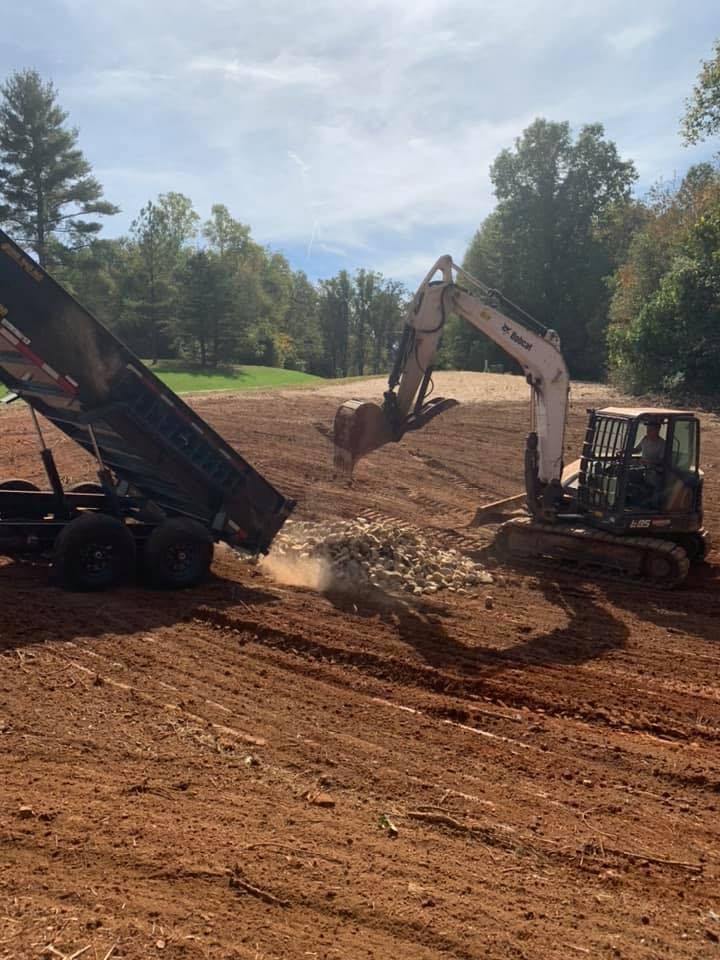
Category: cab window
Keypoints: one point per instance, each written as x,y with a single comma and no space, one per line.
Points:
684,452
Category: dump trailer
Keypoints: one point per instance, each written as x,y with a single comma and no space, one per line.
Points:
168,486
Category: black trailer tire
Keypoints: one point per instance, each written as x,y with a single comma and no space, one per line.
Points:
177,554
94,552
19,485
23,511
86,487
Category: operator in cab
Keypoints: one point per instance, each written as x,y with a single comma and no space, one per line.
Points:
652,446
652,456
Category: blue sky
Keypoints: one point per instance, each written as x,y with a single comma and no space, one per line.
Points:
357,133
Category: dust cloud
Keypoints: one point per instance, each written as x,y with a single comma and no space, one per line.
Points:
313,573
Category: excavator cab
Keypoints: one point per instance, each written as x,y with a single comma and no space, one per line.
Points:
640,471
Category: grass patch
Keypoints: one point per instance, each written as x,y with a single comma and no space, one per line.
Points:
184,379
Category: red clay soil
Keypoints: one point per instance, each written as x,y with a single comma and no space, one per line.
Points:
248,770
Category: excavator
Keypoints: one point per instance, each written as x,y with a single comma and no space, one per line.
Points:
629,508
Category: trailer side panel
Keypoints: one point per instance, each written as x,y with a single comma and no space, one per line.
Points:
75,372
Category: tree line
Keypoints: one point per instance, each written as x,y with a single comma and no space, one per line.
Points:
207,293
631,285
176,287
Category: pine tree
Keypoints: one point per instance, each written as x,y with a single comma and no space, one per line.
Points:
159,238
46,186
203,328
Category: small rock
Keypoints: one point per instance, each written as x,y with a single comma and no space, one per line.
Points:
320,799
26,813
489,603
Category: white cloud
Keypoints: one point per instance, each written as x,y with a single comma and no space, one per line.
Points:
117,85
303,168
629,39
363,131
412,268
283,70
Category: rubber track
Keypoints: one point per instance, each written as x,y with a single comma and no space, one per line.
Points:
590,554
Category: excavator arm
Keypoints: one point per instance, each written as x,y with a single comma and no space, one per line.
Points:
363,427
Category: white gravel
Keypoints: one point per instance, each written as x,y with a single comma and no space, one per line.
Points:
357,554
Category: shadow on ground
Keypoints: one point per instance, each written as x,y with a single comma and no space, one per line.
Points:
591,632
33,611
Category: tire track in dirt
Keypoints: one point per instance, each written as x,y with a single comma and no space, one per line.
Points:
385,667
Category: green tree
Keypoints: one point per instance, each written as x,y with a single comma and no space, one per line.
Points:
674,342
302,324
203,328
99,276
227,236
364,293
462,346
160,235
387,316
273,343
336,297
702,114
47,191
654,237
542,245
243,262
666,302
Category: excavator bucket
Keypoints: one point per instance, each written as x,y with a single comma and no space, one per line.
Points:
359,428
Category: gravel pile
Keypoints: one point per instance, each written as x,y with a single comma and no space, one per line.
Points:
360,552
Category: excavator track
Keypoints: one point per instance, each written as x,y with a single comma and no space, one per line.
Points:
598,555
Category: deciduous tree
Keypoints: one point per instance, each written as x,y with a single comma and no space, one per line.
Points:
702,115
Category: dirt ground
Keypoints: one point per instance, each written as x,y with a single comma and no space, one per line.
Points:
465,386
252,770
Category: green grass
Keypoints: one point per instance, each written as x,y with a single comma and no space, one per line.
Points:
182,379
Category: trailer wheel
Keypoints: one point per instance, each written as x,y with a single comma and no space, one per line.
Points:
94,552
86,487
21,486
18,485
177,554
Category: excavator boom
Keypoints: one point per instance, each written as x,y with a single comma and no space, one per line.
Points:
361,428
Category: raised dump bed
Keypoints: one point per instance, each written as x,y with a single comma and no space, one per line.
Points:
169,485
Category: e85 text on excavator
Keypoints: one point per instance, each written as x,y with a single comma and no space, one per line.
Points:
630,507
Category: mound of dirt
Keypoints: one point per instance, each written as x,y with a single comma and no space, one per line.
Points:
360,553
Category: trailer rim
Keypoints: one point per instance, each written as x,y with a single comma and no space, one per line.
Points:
94,552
